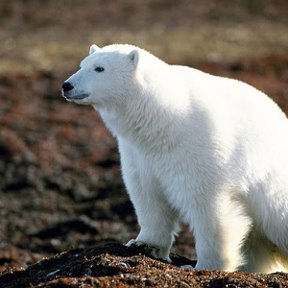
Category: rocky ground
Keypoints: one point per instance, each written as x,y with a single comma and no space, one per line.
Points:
60,183
114,265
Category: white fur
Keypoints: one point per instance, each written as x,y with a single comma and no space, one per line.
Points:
207,150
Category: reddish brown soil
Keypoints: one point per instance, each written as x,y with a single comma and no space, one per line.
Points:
114,265
60,183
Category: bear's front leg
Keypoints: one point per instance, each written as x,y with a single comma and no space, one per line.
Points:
220,233
154,251
157,220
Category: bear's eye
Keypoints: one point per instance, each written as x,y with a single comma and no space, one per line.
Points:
99,69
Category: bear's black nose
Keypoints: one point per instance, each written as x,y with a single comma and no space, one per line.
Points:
67,86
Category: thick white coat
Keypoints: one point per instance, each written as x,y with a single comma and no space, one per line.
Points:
206,150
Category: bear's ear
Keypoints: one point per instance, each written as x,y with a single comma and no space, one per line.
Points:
93,48
134,56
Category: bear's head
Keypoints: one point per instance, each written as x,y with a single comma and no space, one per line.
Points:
105,76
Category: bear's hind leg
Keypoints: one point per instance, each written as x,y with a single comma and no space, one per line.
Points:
263,256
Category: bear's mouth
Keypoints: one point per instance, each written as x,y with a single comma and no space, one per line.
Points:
76,97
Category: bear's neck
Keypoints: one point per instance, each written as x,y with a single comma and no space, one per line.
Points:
149,121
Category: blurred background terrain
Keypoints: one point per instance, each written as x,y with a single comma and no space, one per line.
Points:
60,181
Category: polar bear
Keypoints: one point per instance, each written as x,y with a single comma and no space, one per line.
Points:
202,149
